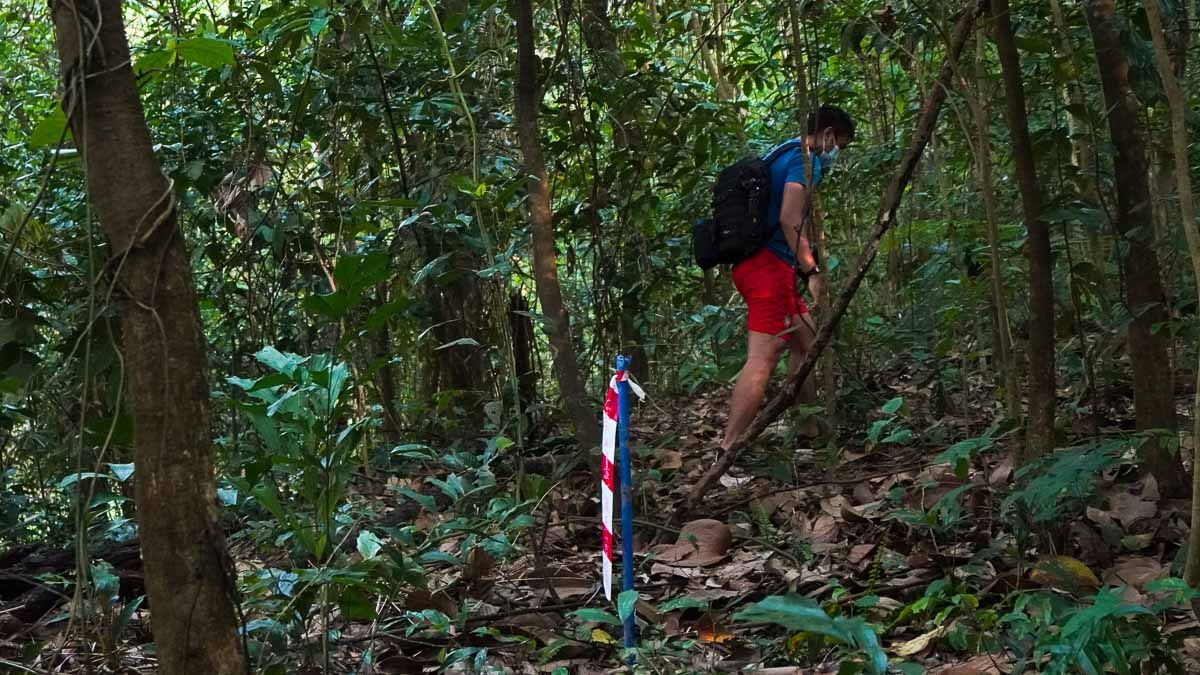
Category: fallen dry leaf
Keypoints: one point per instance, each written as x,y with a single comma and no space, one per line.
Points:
1130,508
700,543
1002,472
735,482
984,664
859,553
1136,571
920,643
1064,573
668,460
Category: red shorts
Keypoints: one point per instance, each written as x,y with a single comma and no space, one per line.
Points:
769,286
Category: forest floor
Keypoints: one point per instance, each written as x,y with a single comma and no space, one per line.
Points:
903,534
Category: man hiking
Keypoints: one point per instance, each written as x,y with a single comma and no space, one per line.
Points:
777,316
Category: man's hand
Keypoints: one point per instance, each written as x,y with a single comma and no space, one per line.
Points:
804,252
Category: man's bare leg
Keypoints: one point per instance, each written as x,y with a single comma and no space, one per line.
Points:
762,354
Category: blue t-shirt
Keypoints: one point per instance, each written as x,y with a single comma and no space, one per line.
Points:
787,168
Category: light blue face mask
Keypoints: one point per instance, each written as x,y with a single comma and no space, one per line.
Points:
828,157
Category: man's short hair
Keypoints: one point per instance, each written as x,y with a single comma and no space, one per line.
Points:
831,116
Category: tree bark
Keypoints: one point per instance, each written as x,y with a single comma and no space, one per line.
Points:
1040,425
545,257
190,580
983,171
1178,104
1081,147
884,220
1152,396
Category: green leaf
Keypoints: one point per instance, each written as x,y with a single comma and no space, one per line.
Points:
105,581
683,603
893,406
206,52
50,129
795,613
368,544
356,605
625,604
122,471
799,613
279,361
154,61
592,615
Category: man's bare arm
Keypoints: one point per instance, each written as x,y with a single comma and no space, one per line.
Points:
791,217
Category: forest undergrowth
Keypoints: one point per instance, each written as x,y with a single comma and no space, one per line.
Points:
907,544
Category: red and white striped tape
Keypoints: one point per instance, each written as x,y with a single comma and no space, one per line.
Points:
608,470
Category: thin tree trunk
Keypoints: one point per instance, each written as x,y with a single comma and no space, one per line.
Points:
802,104
1040,427
545,257
1187,209
1152,396
983,171
190,580
1081,147
884,220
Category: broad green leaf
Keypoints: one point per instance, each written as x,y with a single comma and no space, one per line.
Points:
154,61
626,601
105,581
796,613
799,613
592,615
425,501
50,129
368,544
356,605
122,471
683,603
893,406
279,361
206,52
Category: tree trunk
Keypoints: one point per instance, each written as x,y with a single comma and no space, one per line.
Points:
1040,427
1153,402
521,328
798,65
545,257
1081,147
190,580
983,171
1178,104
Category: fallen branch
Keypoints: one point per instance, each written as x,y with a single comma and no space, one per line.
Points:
884,221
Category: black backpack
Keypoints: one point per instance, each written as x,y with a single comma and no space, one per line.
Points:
738,227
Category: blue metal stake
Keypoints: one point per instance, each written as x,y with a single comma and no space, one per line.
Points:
626,474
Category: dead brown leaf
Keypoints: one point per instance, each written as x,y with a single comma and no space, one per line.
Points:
1064,573
668,460
1136,571
700,543
1130,508
920,643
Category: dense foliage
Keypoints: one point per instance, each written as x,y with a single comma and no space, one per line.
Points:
390,444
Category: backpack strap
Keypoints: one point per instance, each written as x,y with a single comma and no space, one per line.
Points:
786,147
